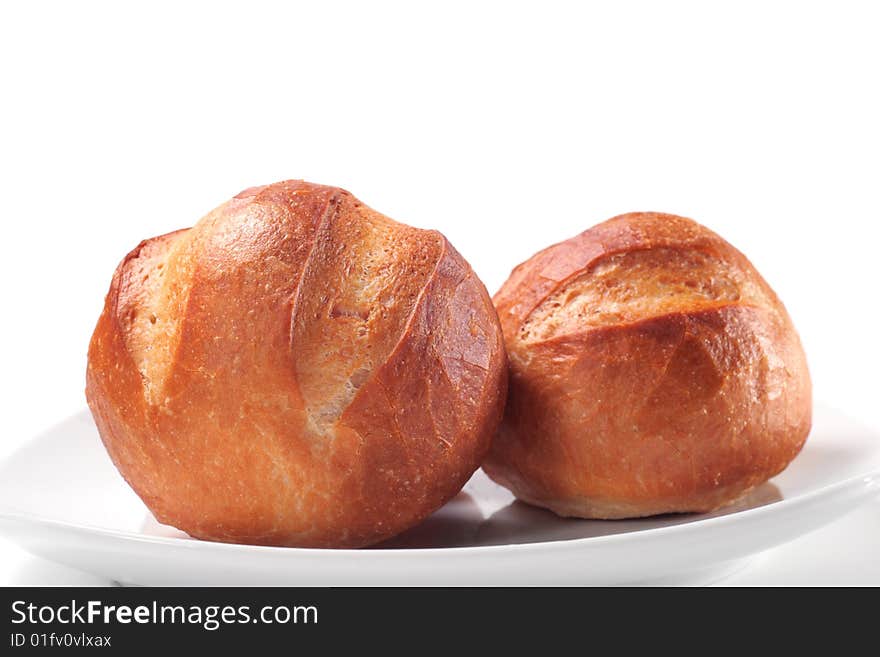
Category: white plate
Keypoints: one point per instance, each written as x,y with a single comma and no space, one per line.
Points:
62,499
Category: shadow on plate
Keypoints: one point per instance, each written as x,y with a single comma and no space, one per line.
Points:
456,524
460,523
521,523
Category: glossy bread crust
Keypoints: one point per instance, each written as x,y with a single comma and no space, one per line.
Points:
653,370
296,369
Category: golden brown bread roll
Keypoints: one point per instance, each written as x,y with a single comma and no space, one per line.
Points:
653,370
296,369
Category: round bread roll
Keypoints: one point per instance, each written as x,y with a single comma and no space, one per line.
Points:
296,369
652,371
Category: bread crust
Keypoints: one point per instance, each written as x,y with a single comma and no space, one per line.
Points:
305,372
677,384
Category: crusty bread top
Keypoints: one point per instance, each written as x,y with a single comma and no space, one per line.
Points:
368,268
630,268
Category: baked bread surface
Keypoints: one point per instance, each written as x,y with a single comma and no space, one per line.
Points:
296,369
653,370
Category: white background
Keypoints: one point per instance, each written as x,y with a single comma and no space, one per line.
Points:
507,126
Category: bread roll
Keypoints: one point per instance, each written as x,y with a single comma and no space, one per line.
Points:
296,369
652,371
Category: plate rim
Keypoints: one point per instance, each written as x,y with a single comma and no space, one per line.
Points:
868,481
